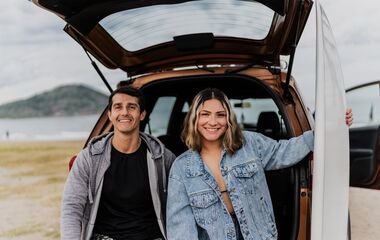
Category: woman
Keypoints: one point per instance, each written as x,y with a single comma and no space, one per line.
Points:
217,189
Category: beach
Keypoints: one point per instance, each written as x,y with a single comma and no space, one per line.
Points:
32,175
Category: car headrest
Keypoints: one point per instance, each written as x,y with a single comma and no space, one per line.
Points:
269,124
176,129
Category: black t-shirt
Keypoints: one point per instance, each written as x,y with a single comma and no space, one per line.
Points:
126,208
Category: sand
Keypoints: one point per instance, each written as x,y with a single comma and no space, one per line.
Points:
31,182
365,214
32,176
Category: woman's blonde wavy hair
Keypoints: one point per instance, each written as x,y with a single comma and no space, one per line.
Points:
233,137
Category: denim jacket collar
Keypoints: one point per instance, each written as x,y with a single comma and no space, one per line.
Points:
195,166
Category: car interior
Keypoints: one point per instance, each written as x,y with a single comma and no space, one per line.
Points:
257,108
364,156
365,135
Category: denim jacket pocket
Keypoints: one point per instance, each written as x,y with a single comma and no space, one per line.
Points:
205,207
245,175
246,170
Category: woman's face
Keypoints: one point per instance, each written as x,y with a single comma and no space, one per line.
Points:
212,121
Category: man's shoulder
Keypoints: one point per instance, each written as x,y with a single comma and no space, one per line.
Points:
152,142
95,149
150,139
98,144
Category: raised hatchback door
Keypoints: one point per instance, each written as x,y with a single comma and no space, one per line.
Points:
146,36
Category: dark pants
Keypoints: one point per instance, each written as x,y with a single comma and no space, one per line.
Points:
96,236
239,236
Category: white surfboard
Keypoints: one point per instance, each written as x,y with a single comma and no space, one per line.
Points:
331,147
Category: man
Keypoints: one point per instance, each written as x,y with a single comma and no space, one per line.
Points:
116,188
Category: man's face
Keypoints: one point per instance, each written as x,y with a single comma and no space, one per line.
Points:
125,114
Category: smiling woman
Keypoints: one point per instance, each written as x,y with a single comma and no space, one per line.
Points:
217,188
212,122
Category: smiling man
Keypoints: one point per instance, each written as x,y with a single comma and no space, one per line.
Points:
116,188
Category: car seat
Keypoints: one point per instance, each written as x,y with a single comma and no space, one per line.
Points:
172,140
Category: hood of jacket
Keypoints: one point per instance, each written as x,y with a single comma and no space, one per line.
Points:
97,145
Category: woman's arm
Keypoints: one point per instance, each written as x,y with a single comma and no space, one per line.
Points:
180,222
284,153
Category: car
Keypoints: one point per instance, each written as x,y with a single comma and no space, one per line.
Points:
173,49
365,135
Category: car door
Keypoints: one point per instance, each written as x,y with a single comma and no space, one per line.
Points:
365,135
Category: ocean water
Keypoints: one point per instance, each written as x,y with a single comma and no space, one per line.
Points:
79,127
47,128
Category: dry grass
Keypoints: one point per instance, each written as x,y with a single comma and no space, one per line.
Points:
32,177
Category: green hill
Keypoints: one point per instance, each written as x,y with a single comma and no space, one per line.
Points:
66,100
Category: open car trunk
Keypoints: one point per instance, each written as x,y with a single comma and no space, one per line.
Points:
258,108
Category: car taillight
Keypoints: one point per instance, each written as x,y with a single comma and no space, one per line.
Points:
72,161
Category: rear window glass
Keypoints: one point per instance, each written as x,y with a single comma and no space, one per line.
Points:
248,110
139,28
159,118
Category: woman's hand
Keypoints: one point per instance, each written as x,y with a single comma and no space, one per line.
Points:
349,118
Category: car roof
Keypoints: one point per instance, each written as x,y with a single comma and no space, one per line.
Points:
145,36
363,85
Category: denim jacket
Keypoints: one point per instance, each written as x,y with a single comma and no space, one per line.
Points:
195,207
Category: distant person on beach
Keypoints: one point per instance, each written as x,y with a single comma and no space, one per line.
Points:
7,135
116,188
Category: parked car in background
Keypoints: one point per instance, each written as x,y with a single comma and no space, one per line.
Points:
173,49
365,135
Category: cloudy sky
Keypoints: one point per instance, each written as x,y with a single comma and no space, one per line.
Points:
36,55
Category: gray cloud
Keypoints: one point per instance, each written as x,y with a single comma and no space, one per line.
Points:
354,22
24,22
36,55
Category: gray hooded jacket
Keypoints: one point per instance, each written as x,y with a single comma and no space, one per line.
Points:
84,183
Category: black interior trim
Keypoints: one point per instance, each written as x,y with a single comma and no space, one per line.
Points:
364,155
192,42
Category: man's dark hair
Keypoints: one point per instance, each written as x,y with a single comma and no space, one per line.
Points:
131,91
